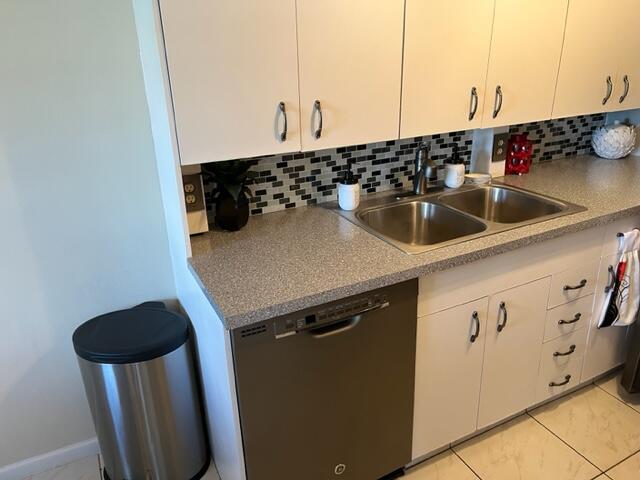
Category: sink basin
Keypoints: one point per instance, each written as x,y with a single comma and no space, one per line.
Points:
502,205
417,224
420,222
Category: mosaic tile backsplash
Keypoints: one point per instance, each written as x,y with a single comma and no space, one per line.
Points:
297,179
565,137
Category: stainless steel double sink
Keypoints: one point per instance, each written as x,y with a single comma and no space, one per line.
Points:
417,224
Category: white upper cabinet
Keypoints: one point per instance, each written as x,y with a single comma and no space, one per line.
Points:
232,64
524,60
627,94
446,51
588,76
350,71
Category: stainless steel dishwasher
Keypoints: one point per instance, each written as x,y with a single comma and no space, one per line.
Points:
327,393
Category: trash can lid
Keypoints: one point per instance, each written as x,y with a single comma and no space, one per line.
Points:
134,335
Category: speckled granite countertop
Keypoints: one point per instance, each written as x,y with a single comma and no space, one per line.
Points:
286,261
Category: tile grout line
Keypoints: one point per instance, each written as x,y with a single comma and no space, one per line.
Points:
567,444
617,398
465,463
621,461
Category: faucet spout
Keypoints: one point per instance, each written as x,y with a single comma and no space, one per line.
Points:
425,176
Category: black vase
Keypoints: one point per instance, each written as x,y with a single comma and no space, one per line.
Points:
231,215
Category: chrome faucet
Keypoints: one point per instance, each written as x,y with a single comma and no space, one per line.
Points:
425,176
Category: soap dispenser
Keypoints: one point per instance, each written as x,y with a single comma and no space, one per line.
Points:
349,189
454,170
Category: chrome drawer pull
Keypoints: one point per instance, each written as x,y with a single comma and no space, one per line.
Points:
473,107
476,321
626,88
582,284
503,323
609,91
569,322
572,349
567,379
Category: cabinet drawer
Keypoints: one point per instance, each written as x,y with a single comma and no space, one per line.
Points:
573,284
568,318
561,364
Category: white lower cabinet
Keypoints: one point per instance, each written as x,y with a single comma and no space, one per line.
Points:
538,309
450,346
568,318
515,330
573,284
561,364
606,347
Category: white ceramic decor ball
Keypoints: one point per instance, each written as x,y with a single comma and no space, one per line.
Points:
614,141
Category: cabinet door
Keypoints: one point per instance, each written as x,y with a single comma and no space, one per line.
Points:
446,51
231,63
350,68
525,54
628,20
589,57
512,353
448,371
606,348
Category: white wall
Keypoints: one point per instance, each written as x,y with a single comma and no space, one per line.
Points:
81,219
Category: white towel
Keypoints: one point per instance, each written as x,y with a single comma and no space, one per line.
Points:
627,299
629,296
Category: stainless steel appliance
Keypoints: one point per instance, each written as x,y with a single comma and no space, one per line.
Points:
138,372
328,392
631,374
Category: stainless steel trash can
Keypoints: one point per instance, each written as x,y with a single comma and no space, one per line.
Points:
140,381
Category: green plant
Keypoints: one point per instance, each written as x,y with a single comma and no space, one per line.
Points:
232,176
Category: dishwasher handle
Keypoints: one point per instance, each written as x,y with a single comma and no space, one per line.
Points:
345,323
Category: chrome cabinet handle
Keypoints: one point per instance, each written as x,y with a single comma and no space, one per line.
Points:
626,88
283,111
476,321
569,322
582,284
571,350
318,108
497,105
473,103
503,323
567,379
609,91
612,279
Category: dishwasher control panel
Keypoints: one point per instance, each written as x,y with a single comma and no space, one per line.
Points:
328,314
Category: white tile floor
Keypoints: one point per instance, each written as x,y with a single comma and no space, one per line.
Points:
592,433
89,469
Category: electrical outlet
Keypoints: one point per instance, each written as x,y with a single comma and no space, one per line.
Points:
500,141
193,192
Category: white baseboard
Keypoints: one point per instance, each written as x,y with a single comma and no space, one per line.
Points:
49,460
